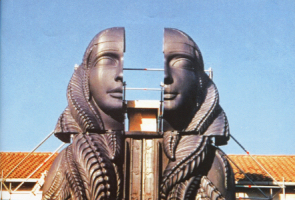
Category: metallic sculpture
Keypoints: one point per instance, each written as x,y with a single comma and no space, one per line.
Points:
104,161
192,117
91,167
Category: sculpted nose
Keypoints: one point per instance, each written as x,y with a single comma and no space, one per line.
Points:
119,74
119,77
167,80
167,76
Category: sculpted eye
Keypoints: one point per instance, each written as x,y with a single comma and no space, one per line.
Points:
182,63
106,61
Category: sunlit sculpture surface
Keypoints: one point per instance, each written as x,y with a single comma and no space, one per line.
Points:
91,167
100,161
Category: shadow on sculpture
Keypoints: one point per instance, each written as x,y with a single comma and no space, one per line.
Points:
95,164
192,118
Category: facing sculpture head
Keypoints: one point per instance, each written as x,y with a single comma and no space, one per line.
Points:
183,68
95,89
104,59
192,117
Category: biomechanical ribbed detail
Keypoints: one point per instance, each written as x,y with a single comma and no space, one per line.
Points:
202,117
185,190
58,188
86,170
177,193
73,176
81,108
118,174
66,123
210,119
109,144
190,153
208,191
187,152
170,140
96,169
226,168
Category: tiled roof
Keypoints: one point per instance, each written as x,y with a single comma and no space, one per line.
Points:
8,160
277,166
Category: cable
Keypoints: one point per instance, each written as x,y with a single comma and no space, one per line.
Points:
52,132
256,161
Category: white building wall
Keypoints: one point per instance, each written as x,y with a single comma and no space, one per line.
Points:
22,195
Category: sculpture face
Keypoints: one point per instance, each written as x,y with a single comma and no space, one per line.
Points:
181,83
106,77
106,73
181,78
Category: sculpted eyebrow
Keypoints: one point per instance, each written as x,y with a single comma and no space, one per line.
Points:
115,51
113,54
180,55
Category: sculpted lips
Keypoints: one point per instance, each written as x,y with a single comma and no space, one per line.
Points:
116,93
170,96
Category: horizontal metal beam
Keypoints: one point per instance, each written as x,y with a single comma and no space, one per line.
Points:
270,183
268,198
5,193
147,134
19,180
144,69
257,186
154,69
152,89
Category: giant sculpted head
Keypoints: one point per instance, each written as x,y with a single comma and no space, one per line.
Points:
91,166
95,90
183,68
104,59
192,117
191,98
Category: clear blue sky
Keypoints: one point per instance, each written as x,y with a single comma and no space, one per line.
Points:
249,44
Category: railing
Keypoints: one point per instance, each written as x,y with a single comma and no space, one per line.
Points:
162,85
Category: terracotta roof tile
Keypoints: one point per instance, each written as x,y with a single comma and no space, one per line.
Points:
277,166
8,160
